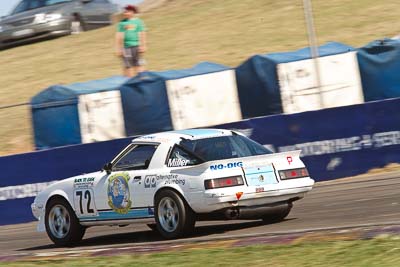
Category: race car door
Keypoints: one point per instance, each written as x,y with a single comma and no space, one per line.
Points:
117,194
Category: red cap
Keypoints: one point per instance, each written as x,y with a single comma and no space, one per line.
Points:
131,8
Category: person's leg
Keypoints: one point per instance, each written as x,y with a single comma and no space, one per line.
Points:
129,62
138,61
141,66
130,72
138,69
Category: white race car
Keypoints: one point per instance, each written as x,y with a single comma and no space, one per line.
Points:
174,179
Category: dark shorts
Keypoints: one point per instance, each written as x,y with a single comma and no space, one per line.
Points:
131,57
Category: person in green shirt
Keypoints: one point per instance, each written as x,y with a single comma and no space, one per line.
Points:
131,41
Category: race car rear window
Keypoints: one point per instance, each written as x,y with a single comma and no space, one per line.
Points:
179,157
224,147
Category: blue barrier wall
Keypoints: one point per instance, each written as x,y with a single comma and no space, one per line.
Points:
335,143
20,174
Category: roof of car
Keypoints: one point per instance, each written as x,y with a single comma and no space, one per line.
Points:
174,136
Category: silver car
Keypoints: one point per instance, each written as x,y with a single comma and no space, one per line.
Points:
39,19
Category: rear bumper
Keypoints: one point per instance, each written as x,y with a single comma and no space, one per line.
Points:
247,212
257,199
34,32
287,191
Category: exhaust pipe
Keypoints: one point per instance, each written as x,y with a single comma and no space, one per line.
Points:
232,214
250,213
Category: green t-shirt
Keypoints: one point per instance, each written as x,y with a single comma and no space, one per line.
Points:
131,29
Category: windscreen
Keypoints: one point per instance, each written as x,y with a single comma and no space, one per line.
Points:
26,5
224,147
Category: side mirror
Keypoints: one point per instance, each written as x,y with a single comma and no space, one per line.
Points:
107,168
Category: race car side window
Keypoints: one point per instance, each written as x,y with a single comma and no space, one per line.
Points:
179,157
138,158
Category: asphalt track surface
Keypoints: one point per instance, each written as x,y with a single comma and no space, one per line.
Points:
372,200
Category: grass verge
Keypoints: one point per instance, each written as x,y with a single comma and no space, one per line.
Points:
379,252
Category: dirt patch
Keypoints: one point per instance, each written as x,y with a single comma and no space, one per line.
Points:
392,168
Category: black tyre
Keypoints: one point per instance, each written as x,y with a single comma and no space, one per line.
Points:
279,215
62,225
174,218
77,24
153,227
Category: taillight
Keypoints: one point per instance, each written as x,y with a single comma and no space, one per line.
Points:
293,173
223,182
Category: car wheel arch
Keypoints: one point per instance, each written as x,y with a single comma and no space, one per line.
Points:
59,195
177,190
76,16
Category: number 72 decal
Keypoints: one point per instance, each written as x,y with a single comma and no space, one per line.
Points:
84,202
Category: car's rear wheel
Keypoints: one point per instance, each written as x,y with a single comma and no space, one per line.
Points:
77,25
279,215
62,225
174,218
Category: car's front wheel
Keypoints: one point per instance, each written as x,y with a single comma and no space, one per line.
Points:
62,225
174,218
77,25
